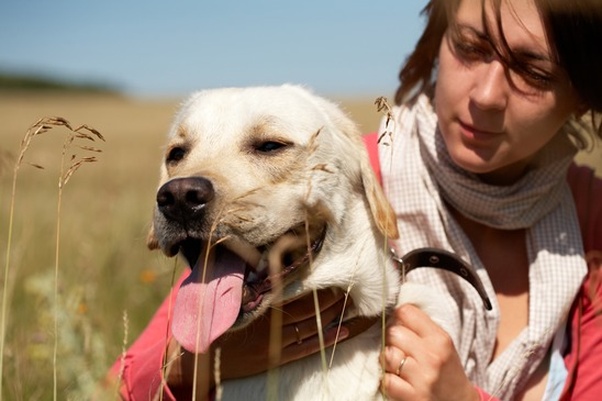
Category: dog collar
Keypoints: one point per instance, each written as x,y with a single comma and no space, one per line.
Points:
441,259
424,257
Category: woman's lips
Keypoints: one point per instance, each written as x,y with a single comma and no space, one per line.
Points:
476,134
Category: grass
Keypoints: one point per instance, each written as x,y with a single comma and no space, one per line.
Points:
105,268
70,142
106,274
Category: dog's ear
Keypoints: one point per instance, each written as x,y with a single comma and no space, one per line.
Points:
382,211
151,239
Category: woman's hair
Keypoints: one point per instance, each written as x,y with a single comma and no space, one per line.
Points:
574,31
418,72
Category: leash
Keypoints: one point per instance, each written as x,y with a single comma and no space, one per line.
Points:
424,257
441,259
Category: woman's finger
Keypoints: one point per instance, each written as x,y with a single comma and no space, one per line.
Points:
394,360
416,320
403,338
395,388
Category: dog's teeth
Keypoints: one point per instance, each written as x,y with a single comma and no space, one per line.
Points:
263,262
245,251
252,276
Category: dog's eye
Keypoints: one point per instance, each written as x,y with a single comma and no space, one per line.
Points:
175,154
269,146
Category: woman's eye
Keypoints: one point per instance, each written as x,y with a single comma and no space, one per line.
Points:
529,76
175,154
269,146
470,45
536,77
470,51
537,80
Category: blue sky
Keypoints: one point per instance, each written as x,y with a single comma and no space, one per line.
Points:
170,48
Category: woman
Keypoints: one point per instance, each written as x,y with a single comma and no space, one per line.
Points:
489,143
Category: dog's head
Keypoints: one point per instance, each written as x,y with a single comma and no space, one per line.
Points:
253,181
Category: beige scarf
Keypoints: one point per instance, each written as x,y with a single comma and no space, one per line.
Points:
418,175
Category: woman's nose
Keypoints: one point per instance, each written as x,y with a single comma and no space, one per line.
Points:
491,87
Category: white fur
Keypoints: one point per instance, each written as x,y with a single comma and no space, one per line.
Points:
217,125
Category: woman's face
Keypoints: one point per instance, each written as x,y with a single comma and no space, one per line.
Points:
494,120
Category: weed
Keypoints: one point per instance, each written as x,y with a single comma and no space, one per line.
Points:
72,139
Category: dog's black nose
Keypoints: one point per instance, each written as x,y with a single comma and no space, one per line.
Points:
184,198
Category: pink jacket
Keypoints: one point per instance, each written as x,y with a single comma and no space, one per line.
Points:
141,372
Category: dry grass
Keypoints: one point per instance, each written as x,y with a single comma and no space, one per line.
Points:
104,265
71,141
105,268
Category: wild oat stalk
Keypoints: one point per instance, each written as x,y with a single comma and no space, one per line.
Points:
83,132
385,138
38,128
42,126
167,359
382,106
126,325
217,360
313,146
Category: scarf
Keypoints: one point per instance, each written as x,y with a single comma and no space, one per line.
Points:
419,177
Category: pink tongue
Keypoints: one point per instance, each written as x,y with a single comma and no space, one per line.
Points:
203,311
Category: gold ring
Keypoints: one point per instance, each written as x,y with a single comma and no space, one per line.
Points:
401,363
299,340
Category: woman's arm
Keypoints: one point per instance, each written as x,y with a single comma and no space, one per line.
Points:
139,372
585,352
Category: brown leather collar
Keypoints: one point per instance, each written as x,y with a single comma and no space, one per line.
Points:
424,257
439,258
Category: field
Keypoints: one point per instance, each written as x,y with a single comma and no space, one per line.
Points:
108,282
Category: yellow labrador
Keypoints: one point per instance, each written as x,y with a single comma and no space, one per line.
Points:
268,193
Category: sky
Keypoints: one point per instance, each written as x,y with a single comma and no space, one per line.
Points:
153,48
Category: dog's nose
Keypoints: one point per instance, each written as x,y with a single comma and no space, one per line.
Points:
184,198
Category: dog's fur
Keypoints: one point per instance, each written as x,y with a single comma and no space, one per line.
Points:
280,159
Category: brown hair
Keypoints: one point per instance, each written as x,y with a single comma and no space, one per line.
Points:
574,30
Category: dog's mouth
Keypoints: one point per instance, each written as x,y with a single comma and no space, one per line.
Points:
231,278
259,275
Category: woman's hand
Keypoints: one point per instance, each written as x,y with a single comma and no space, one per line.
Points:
421,362
245,352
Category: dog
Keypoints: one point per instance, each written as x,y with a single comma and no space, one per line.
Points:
268,193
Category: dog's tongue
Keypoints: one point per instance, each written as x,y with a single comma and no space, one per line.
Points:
205,309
